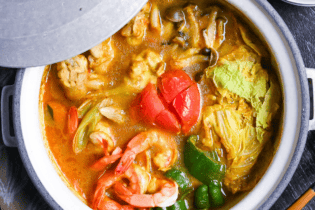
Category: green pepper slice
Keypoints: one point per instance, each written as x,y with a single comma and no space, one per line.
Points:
202,198
215,194
179,205
201,165
180,178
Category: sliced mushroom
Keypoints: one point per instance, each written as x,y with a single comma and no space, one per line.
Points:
155,19
206,51
194,31
175,14
199,76
214,57
189,57
180,40
220,36
210,32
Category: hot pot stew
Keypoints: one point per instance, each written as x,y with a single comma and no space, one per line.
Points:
180,109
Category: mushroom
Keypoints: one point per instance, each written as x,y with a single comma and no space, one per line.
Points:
175,14
214,57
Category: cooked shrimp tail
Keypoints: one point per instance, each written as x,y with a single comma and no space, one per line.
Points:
105,182
105,161
165,197
102,202
125,162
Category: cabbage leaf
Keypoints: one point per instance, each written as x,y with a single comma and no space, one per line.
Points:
240,140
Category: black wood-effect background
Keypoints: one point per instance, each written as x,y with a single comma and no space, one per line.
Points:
18,192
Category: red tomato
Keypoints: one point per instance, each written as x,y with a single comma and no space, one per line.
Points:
187,106
172,83
150,104
179,98
134,109
168,121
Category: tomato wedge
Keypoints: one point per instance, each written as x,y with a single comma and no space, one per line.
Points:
150,104
172,83
168,121
187,106
177,105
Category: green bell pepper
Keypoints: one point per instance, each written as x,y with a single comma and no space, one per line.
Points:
180,178
179,205
202,199
200,164
215,194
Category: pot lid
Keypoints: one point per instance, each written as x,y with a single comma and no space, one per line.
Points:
306,3
41,32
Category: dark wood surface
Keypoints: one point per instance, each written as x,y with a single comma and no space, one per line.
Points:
18,192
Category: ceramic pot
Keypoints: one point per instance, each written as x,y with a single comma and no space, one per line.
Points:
293,77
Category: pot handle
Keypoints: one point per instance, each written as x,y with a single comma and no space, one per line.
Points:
311,83
8,135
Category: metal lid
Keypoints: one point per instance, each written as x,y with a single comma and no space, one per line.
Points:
306,3
40,32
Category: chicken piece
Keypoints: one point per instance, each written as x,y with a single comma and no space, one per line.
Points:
101,56
73,75
135,30
108,109
146,67
103,133
96,81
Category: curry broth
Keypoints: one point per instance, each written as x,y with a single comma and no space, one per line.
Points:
75,168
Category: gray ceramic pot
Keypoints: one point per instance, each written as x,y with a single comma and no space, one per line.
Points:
293,76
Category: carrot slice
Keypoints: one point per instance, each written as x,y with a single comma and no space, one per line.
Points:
73,120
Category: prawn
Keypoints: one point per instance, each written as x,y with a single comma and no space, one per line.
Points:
164,146
102,163
104,139
166,193
137,182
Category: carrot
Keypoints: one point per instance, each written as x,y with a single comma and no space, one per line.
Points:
73,120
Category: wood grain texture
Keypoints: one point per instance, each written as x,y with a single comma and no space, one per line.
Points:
303,200
18,192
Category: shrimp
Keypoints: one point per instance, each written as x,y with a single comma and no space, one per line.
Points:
102,163
164,156
166,193
137,182
102,137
